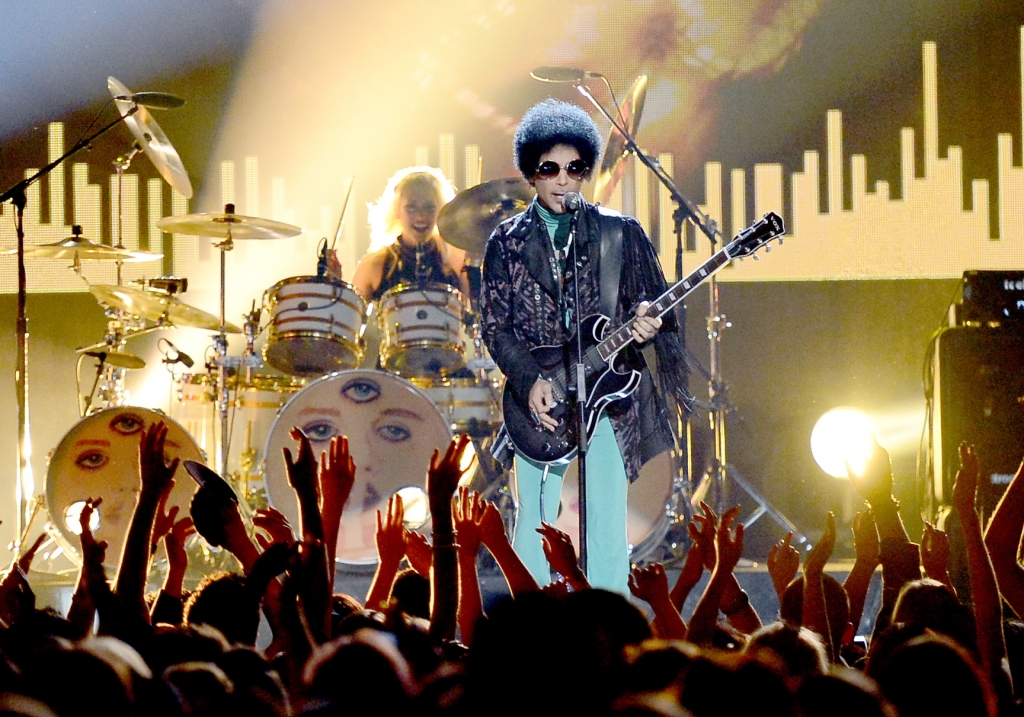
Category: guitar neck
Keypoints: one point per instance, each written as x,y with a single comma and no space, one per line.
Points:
623,335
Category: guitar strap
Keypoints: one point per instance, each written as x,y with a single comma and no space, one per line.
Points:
610,226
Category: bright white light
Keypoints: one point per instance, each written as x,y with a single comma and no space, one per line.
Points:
414,505
466,464
72,517
842,435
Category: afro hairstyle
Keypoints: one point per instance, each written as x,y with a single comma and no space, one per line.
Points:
548,124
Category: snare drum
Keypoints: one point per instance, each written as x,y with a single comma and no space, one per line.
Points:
316,326
469,406
422,330
99,458
253,405
392,429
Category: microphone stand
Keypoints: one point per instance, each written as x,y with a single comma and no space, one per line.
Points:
17,196
718,470
582,440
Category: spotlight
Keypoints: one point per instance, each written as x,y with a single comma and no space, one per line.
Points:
415,506
842,435
72,517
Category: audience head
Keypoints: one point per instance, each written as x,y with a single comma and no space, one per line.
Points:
222,601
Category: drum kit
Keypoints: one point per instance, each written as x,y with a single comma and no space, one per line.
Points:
430,377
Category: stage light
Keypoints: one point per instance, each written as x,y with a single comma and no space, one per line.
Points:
72,517
842,435
415,507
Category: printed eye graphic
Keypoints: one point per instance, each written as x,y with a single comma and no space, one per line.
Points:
394,433
92,460
127,423
320,431
360,390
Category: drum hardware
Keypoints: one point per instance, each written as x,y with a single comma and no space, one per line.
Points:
78,249
163,308
227,226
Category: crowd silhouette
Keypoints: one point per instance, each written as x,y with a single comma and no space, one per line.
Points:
421,640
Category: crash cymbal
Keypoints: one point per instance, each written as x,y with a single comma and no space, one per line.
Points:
157,306
468,220
76,246
120,359
218,224
153,140
613,165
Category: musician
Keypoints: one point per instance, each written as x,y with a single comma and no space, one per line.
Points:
405,246
528,300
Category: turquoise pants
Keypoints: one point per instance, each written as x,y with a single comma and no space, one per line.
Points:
538,494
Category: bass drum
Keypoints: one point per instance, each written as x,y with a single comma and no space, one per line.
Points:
393,430
646,517
99,458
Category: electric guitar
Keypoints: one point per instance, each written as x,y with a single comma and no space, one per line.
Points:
607,380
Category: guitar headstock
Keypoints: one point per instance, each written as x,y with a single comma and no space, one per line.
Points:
757,235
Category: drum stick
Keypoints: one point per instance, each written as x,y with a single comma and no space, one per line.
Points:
341,219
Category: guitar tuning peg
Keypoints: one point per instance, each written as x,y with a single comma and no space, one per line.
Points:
781,241
757,258
768,249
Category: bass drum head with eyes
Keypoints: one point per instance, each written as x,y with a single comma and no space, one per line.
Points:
393,430
99,458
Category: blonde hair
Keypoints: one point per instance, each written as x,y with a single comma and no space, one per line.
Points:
382,214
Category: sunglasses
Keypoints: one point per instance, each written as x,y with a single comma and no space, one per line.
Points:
576,170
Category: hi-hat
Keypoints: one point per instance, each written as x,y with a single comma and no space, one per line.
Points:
157,306
613,165
153,140
468,220
80,248
218,225
120,359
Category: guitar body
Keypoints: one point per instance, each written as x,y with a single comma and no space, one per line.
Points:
606,382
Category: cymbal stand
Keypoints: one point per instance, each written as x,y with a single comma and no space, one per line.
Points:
220,345
719,473
120,165
16,195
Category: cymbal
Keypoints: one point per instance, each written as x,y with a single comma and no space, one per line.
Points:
157,306
85,250
215,224
153,140
467,221
613,165
120,359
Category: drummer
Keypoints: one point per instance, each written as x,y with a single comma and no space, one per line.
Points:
405,246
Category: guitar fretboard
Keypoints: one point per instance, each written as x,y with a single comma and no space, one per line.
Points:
676,293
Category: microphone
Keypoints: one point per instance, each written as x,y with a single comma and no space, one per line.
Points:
562,74
179,356
321,262
154,100
572,202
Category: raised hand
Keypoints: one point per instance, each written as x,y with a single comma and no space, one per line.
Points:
557,588
337,476
728,542
865,539
274,524
445,473
302,470
25,561
492,528
704,535
874,483
649,584
935,553
468,510
390,551
165,519
822,551
390,535
783,564
157,473
561,556
966,486
418,552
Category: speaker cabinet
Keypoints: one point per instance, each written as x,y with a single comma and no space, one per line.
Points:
978,398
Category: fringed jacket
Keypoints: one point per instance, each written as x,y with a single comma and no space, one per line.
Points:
527,302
